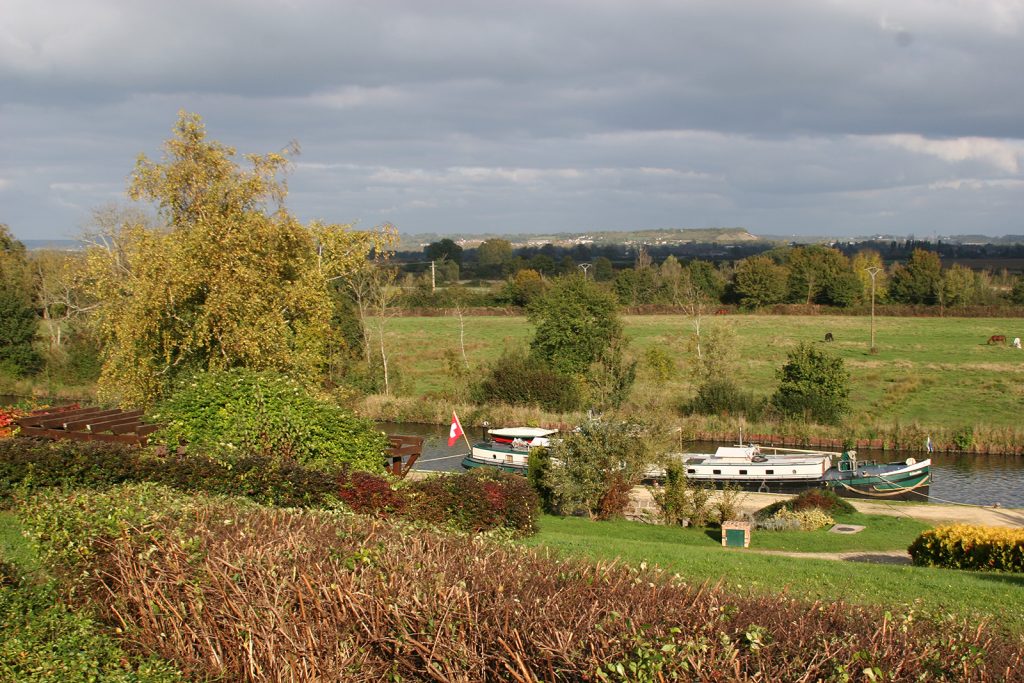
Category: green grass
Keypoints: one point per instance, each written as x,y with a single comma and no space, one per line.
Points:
931,371
697,557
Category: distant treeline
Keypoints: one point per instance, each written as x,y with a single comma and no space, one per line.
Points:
749,275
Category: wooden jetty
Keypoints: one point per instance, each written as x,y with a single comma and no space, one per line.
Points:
87,424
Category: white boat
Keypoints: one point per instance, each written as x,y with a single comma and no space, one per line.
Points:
791,470
508,448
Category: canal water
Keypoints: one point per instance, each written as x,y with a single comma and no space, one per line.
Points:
974,479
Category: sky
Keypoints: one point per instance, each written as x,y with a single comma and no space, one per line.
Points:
458,117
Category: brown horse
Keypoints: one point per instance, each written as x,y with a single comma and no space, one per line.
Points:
997,339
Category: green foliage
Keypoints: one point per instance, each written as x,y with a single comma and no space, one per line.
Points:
659,363
524,287
963,438
230,279
594,464
611,377
919,281
722,396
479,500
446,249
537,466
785,519
603,269
681,501
18,327
759,281
1017,293
44,641
963,546
576,320
267,414
813,385
812,499
516,379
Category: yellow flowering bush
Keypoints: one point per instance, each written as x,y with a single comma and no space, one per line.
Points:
962,546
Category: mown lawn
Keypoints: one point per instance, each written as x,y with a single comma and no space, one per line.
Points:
698,557
933,371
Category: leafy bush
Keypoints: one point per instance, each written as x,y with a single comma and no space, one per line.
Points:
537,466
268,414
963,546
825,500
517,380
18,326
805,520
594,461
722,396
813,385
729,505
659,363
385,602
44,641
473,501
681,501
963,438
477,500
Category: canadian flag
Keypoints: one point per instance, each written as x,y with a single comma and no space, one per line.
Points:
456,430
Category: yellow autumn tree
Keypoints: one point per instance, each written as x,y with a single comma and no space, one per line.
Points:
226,277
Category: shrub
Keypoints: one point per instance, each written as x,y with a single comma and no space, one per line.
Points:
813,385
825,500
44,640
729,505
659,364
589,463
805,520
472,501
962,546
265,413
517,380
537,466
345,597
681,501
477,500
963,438
722,396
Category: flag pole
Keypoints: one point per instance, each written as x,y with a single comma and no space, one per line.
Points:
464,433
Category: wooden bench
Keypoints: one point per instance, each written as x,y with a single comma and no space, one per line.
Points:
87,424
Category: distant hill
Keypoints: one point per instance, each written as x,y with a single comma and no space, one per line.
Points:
665,236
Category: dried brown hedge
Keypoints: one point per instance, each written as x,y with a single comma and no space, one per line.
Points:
268,595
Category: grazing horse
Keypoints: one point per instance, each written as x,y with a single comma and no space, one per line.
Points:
997,339
829,337
722,311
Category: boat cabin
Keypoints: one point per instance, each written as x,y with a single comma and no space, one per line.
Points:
741,463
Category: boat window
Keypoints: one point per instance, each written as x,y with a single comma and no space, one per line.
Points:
716,471
769,471
743,471
691,471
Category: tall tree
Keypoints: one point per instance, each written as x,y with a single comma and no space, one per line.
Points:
919,281
445,249
861,262
230,279
759,281
18,321
576,321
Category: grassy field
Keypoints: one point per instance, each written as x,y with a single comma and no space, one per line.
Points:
931,371
698,556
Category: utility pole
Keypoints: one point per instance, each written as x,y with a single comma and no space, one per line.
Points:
584,267
873,271
433,285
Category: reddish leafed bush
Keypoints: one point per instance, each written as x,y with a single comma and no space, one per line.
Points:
369,494
476,501
268,595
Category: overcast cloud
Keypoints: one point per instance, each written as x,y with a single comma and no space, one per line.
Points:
788,117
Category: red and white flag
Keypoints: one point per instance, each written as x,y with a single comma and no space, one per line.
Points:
456,430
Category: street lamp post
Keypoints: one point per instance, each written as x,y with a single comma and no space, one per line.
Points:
873,271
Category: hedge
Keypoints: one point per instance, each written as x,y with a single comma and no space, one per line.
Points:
472,501
962,546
